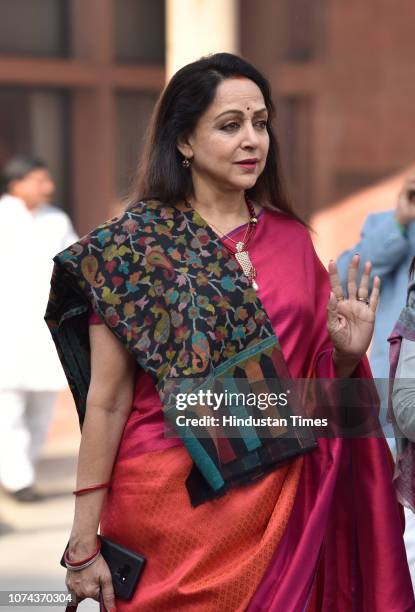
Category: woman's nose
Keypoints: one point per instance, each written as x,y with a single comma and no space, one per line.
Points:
250,137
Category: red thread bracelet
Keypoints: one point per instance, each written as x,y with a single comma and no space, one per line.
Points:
95,487
83,561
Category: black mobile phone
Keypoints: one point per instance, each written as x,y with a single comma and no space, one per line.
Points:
125,566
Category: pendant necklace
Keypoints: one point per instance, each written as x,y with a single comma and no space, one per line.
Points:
241,254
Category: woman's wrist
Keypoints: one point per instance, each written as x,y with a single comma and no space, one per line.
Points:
345,364
82,563
81,545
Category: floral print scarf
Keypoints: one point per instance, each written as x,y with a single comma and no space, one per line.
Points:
172,294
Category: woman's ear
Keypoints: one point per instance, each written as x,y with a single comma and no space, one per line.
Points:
185,148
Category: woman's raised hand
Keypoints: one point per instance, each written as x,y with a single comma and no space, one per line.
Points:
351,318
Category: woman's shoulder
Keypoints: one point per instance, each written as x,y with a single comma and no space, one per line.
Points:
107,239
133,219
127,234
141,211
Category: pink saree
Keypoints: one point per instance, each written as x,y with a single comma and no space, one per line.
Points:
321,533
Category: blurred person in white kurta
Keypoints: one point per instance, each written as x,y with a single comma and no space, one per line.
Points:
31,232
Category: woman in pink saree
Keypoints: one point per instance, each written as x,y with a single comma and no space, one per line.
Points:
321,531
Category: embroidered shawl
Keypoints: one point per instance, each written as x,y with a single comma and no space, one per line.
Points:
170,291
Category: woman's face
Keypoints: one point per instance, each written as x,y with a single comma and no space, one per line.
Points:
229,146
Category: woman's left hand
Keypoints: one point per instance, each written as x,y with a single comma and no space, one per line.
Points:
351,319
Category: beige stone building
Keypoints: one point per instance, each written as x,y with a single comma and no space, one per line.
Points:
78,80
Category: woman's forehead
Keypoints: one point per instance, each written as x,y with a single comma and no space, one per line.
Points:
237,93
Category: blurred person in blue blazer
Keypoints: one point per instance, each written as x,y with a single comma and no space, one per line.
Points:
388,241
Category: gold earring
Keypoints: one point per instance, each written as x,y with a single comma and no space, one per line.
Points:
186,163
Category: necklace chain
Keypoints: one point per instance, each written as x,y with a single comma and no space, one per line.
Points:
252,220
241,254
227,235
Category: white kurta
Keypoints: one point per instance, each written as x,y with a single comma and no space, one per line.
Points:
28,242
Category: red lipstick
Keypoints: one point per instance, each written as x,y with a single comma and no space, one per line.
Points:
248,163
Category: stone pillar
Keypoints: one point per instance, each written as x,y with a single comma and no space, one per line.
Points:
199,27
93,111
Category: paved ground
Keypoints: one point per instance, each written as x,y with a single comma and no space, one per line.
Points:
32,536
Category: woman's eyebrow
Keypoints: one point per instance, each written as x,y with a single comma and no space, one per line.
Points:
239,112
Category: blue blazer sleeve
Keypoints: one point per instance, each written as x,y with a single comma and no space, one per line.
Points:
381,242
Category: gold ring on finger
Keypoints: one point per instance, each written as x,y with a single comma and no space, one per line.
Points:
365,300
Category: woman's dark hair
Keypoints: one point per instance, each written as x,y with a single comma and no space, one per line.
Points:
17,167
187,96
412,269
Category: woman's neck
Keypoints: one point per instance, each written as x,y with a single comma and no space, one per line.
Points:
224,210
